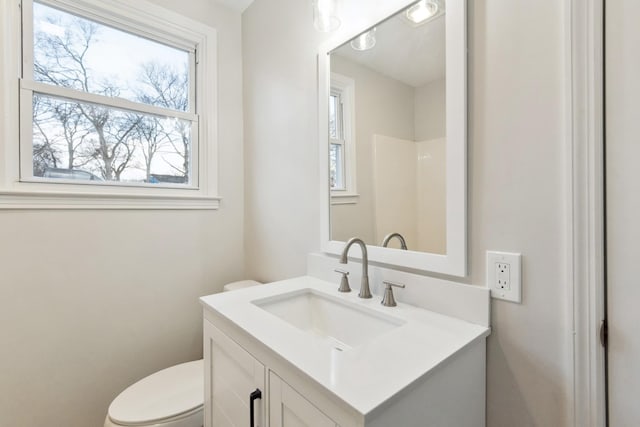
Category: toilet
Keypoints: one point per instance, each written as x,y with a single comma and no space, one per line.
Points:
172,397
241,284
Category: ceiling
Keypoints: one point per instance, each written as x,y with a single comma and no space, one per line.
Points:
239,5
412,55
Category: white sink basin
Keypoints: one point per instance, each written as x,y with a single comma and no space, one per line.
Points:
344,324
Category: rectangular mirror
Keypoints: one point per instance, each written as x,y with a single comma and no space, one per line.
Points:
393,131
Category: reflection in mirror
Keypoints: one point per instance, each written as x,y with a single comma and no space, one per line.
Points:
387,133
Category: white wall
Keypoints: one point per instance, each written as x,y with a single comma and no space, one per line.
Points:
430,111
281,172
94,300
516,193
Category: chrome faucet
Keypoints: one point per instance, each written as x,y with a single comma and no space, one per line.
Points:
365,292
403,243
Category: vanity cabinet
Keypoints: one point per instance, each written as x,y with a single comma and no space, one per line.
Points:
231,375
287,408
424,370
454,394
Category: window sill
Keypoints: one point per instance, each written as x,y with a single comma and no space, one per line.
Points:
16,199
344,198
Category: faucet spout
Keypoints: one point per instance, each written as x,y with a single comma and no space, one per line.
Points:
388,237
365,292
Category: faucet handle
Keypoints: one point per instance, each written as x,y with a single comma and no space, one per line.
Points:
344,282
388,300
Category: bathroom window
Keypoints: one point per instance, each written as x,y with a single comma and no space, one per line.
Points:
114,106
342,165
337,142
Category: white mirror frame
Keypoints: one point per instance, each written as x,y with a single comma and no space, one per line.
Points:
454,263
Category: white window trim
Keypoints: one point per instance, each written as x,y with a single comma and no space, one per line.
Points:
346,87
157,23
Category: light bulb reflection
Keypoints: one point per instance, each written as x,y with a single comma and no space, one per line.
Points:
365,41
422,11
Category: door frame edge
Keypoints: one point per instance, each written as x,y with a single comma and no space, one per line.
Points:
586,211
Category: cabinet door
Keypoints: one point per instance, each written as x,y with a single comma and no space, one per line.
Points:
231,375
287,408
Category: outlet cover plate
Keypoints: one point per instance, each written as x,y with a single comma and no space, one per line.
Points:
501,267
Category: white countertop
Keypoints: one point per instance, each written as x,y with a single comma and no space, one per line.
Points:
363,377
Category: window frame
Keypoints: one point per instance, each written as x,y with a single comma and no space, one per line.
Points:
17,87
344,87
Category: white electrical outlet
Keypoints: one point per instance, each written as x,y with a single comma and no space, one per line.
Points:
503,275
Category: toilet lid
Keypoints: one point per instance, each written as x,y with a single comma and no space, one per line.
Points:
166,394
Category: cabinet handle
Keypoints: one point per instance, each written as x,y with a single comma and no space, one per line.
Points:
256,394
